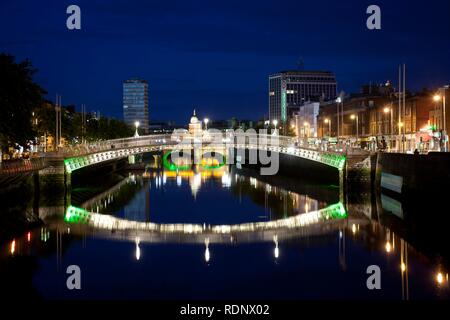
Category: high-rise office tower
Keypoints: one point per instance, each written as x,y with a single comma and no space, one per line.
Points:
135,103
288,90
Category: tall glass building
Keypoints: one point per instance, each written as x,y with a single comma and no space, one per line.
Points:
288,90
135,103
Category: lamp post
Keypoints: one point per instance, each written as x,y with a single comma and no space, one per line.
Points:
390,110
445,119
437,98
356,117
294,129
400,126
329,126
136,124
275,124
338,102
206,120
306,126
58,122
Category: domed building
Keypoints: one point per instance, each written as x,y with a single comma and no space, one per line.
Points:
195,126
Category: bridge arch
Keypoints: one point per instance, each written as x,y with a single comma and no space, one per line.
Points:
77,158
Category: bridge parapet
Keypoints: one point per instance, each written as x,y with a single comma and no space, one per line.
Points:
79,156
82,156
22,166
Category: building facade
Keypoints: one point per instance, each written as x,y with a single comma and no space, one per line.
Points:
376,116
305,122
441,109
195,126
288,90
135,103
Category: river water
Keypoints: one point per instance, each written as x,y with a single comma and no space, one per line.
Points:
222,233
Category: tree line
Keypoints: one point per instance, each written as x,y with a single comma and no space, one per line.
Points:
26,115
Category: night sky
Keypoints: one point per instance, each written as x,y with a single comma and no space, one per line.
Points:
216,55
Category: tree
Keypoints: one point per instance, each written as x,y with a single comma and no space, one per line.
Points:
19,95
45,115
290,131
104,128
96,129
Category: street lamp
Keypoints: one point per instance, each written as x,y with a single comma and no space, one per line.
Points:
294,129
329,126
390,110
306,125
275,124
355,117
338,102
437,98
206,120
444,97
136,124
400,126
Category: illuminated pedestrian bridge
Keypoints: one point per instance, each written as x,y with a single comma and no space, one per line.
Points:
85,155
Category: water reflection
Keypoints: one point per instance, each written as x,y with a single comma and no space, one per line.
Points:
372,236
138,249
132,195
301,237
207,254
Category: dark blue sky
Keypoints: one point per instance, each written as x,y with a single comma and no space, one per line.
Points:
217,55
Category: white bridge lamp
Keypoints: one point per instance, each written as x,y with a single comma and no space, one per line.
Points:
136,124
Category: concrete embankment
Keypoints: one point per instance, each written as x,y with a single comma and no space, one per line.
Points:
409,175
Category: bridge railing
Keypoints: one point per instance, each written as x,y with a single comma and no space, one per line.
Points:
110,149
166,139
22,166
108,145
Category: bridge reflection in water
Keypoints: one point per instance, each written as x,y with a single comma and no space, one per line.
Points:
307,216
89,214
324,217
294,218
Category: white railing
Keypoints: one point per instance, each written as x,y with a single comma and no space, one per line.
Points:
11,167
83,155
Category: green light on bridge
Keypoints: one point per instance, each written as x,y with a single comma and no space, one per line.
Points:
73,164
334,211
334,160
68,165
79,215
76,215
173,167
